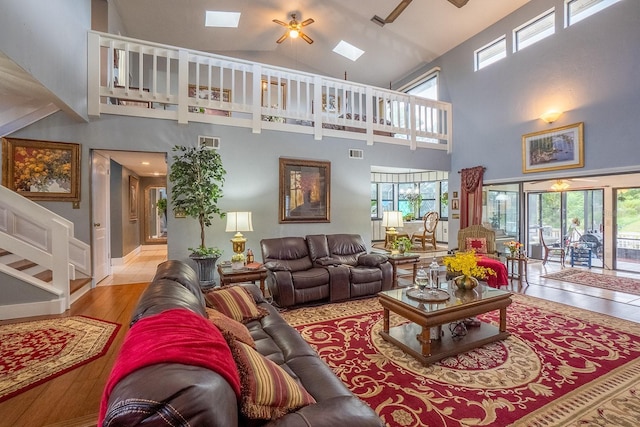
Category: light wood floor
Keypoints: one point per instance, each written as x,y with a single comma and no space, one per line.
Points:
72,400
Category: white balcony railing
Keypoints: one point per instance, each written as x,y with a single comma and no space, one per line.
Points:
137,78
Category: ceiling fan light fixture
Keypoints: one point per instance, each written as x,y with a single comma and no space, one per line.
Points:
294,33
560,185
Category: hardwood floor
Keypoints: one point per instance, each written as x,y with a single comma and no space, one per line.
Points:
73,398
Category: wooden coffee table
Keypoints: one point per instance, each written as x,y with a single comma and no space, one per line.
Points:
415,337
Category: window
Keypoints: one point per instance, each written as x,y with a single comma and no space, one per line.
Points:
538,28
386,198
577,10
494,51
374,200
444,202
429,192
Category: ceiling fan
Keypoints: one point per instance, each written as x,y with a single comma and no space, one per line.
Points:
402,6
294,29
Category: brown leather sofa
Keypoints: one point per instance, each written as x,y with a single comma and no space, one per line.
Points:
323,267
170,394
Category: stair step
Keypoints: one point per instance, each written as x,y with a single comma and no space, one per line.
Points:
4,252
22,264
76,284
45,276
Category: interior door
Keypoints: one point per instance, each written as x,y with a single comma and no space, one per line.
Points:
100,219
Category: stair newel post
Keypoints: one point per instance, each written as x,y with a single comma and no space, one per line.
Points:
60,259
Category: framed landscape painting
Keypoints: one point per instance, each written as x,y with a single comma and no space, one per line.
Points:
555,149
304,190
41,170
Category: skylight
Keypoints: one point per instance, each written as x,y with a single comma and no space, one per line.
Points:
222,19
348,50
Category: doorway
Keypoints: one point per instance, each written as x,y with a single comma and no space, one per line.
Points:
626,229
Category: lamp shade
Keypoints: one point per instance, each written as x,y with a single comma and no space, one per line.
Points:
239,221
392,219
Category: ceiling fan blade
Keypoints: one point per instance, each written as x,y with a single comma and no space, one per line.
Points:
306,38
283,38
397,11
458,3
307,22
277,21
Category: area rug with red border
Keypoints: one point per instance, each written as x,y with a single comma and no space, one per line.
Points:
32,353
597,280
561,366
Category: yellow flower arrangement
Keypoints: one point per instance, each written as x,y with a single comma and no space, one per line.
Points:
466,264
513,246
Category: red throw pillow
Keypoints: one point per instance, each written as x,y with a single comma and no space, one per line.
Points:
268,392
478,244
235,302
231,329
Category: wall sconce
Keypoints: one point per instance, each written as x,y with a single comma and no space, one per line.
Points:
238,222
551,116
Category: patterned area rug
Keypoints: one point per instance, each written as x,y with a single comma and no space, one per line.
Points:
32,353
597,280
561,366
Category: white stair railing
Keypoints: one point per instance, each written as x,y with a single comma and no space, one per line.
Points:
144,79
32,232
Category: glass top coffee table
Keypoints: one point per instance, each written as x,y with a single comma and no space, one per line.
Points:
424,317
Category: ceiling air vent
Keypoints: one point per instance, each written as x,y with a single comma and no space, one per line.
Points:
355,153
209,142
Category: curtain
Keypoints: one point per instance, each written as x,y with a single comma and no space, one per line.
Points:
471,188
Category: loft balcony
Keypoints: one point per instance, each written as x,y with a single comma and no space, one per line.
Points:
142,79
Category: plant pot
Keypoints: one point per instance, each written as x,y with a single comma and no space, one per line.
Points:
465,282
206,270
237,265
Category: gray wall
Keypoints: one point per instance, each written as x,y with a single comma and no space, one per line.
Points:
49,40
590,71
115,209
251,161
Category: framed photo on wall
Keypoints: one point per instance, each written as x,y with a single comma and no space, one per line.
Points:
134,185
555,149
304,191
41,170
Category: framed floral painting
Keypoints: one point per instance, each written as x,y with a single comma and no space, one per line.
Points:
41,170
304,190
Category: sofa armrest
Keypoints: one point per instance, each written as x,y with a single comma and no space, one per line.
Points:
276,266
327,262
280,283
372,260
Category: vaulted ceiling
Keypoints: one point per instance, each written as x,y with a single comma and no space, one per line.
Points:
424,30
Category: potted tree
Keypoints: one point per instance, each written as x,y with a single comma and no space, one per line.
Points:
197,176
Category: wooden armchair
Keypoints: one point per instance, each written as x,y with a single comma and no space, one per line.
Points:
430,221
551,248
477,233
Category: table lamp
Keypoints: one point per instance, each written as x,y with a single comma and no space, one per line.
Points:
391,220
238,222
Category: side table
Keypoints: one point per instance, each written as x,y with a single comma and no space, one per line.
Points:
517,268
229,276
405,258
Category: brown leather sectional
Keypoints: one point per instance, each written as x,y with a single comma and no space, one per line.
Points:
323,267
176,394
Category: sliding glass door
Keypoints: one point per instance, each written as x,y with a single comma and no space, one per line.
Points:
627,229
567,219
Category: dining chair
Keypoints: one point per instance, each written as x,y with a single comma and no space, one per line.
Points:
553,248
430,221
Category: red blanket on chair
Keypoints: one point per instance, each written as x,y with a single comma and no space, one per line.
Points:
173,336
501,278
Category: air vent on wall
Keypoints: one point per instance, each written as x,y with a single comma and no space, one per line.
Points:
209,142
355,153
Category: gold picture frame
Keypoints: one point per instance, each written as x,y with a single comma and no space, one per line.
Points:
212,94
134,186
304,191
42,170
555,149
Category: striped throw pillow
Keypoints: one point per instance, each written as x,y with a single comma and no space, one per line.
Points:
235,302
268,392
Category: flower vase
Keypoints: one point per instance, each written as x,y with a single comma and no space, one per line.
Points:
465,282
